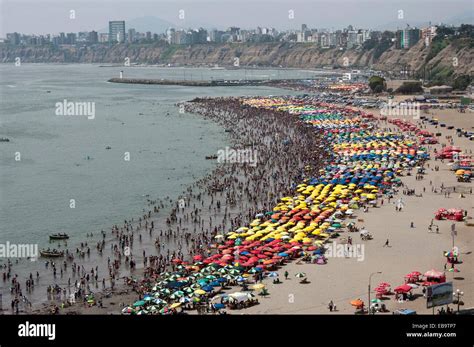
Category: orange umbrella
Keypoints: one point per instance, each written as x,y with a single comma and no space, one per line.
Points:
357,303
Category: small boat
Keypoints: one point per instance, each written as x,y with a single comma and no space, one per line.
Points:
59,236
208,157
51,254
4,139
108,147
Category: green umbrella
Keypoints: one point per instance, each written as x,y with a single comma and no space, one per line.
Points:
300,275
178,293
165,291
188,290
211,277
214,265
376,301
234,272
139,303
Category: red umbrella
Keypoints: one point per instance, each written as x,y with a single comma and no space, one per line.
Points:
404,288
177,261
198,257
434,274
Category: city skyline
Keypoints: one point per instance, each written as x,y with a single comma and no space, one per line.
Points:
73,16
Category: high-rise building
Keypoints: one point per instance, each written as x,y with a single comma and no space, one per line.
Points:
117,31
407,37
93,37
71,38
427,34
131,35
14,38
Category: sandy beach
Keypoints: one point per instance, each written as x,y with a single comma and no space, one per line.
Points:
243,191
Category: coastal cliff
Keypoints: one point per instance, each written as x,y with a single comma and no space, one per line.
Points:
456,58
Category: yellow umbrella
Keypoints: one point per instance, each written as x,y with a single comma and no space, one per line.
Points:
258,286
199,292
176,304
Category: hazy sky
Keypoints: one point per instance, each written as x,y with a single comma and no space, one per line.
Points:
52,16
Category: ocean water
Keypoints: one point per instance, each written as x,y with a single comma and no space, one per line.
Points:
64,160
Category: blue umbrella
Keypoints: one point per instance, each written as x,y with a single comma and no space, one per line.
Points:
175,284
202,282
207,288
283,254
219,306
214,284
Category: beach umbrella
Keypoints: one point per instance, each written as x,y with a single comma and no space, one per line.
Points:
208,288
219,306
159,302
413,285
203,282
272,274
357,303
376,301
165,311
138,303
175,284
434,274
165,291
404,288
258,286
300,275
200,292
188,290
128,310
175,305
178,293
